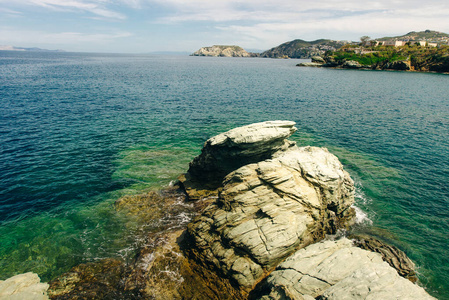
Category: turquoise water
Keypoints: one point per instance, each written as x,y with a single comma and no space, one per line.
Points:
78,131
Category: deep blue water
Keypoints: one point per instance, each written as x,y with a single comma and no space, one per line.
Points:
77,131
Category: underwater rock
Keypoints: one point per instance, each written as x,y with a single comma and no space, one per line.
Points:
336,270
97,280
23,286
162,271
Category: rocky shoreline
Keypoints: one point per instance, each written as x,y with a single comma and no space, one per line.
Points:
330,62
265,214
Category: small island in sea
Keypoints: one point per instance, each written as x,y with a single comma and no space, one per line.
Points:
270,223
223,51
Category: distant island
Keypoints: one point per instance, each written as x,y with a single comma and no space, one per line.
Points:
223,51
35,49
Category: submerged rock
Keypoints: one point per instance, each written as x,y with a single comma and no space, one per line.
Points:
336,270
23,286
96,280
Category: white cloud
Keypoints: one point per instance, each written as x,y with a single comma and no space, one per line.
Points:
96,8
16,37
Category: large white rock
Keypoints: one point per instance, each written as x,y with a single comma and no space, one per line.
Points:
25,286
337,270
267,210
235,148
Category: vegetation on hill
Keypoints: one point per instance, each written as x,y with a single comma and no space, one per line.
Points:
408,57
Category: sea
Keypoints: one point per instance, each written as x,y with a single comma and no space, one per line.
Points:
80,130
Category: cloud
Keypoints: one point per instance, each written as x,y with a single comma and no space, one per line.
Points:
343,25
10,35
295,12
95,7
9,11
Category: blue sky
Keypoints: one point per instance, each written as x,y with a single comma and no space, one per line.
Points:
141,26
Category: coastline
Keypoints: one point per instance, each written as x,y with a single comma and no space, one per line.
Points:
333,97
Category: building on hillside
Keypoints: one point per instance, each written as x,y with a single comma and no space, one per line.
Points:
423,43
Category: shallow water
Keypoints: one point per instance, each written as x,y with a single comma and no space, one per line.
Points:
77,131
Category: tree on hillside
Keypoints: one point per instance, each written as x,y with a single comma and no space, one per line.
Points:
364,39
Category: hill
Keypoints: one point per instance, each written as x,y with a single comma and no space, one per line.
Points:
410,57
427,35
302,49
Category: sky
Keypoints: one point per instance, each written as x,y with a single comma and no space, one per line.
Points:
143,26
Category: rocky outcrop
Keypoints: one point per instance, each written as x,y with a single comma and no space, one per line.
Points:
263,229
224,51
23,286
402,65
228,151
310,64
266,210
336,270
330,62
262,212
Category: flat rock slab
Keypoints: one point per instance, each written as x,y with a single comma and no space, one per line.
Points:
337,270
23,286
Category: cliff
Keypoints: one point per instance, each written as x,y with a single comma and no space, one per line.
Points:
223,51
406,58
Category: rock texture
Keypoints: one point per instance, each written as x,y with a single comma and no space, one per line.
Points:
266,210
228,151
225,51
336,270
24,286
390,254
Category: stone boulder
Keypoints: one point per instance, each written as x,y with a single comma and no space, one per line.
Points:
351,64
235,148
267,210
310,64
23,286
336,270
318,59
